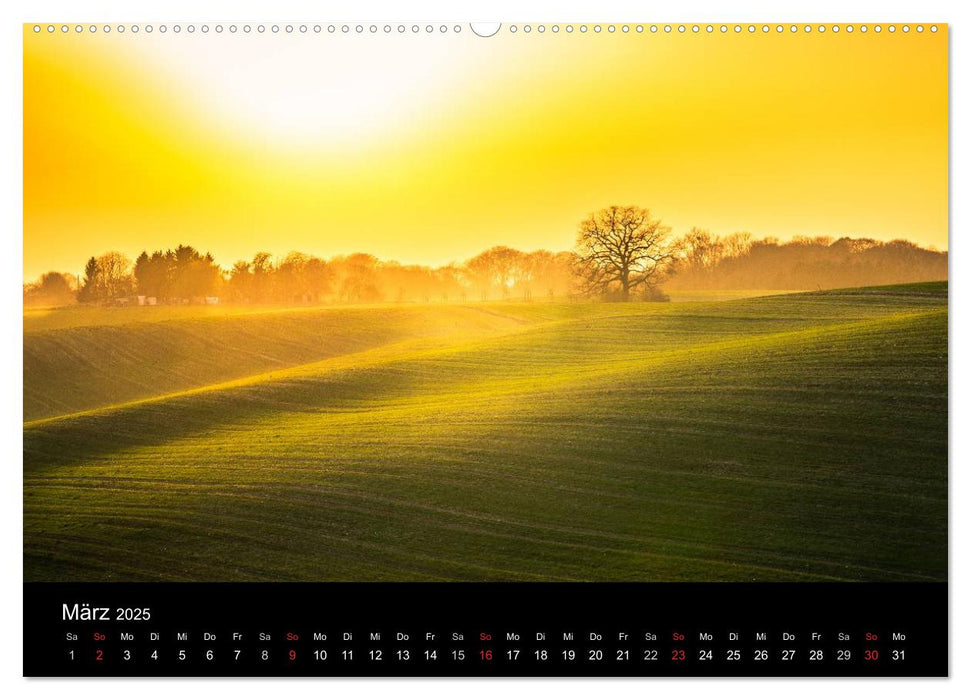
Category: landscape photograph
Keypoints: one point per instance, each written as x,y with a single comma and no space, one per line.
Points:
396,304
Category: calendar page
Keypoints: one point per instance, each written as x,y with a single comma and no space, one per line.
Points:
449,349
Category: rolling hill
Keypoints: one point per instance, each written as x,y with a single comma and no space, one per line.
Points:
789,437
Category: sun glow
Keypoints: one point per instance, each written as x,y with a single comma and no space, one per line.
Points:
429,148
313,92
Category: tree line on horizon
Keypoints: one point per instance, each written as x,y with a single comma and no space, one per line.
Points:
622,253
818,262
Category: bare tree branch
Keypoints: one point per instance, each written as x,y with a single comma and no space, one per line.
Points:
622,250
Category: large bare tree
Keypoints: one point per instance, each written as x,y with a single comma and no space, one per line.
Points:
622,250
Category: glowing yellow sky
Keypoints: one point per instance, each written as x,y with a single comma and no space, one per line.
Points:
431,148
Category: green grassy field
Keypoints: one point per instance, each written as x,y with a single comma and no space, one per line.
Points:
787,437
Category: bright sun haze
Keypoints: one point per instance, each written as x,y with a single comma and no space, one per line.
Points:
431,148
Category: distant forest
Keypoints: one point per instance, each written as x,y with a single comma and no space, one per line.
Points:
698,260
740,262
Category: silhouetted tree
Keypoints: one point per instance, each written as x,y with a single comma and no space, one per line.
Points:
698,249
301,278
183,273
450,282
52,289
318,278
496,268
480,273
89,291
544,272
240,282
106,278
737,244
359,278
261,280
621,251
153,274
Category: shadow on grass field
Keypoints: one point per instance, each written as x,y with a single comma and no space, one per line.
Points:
786,437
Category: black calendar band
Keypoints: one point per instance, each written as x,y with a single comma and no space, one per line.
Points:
485,629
